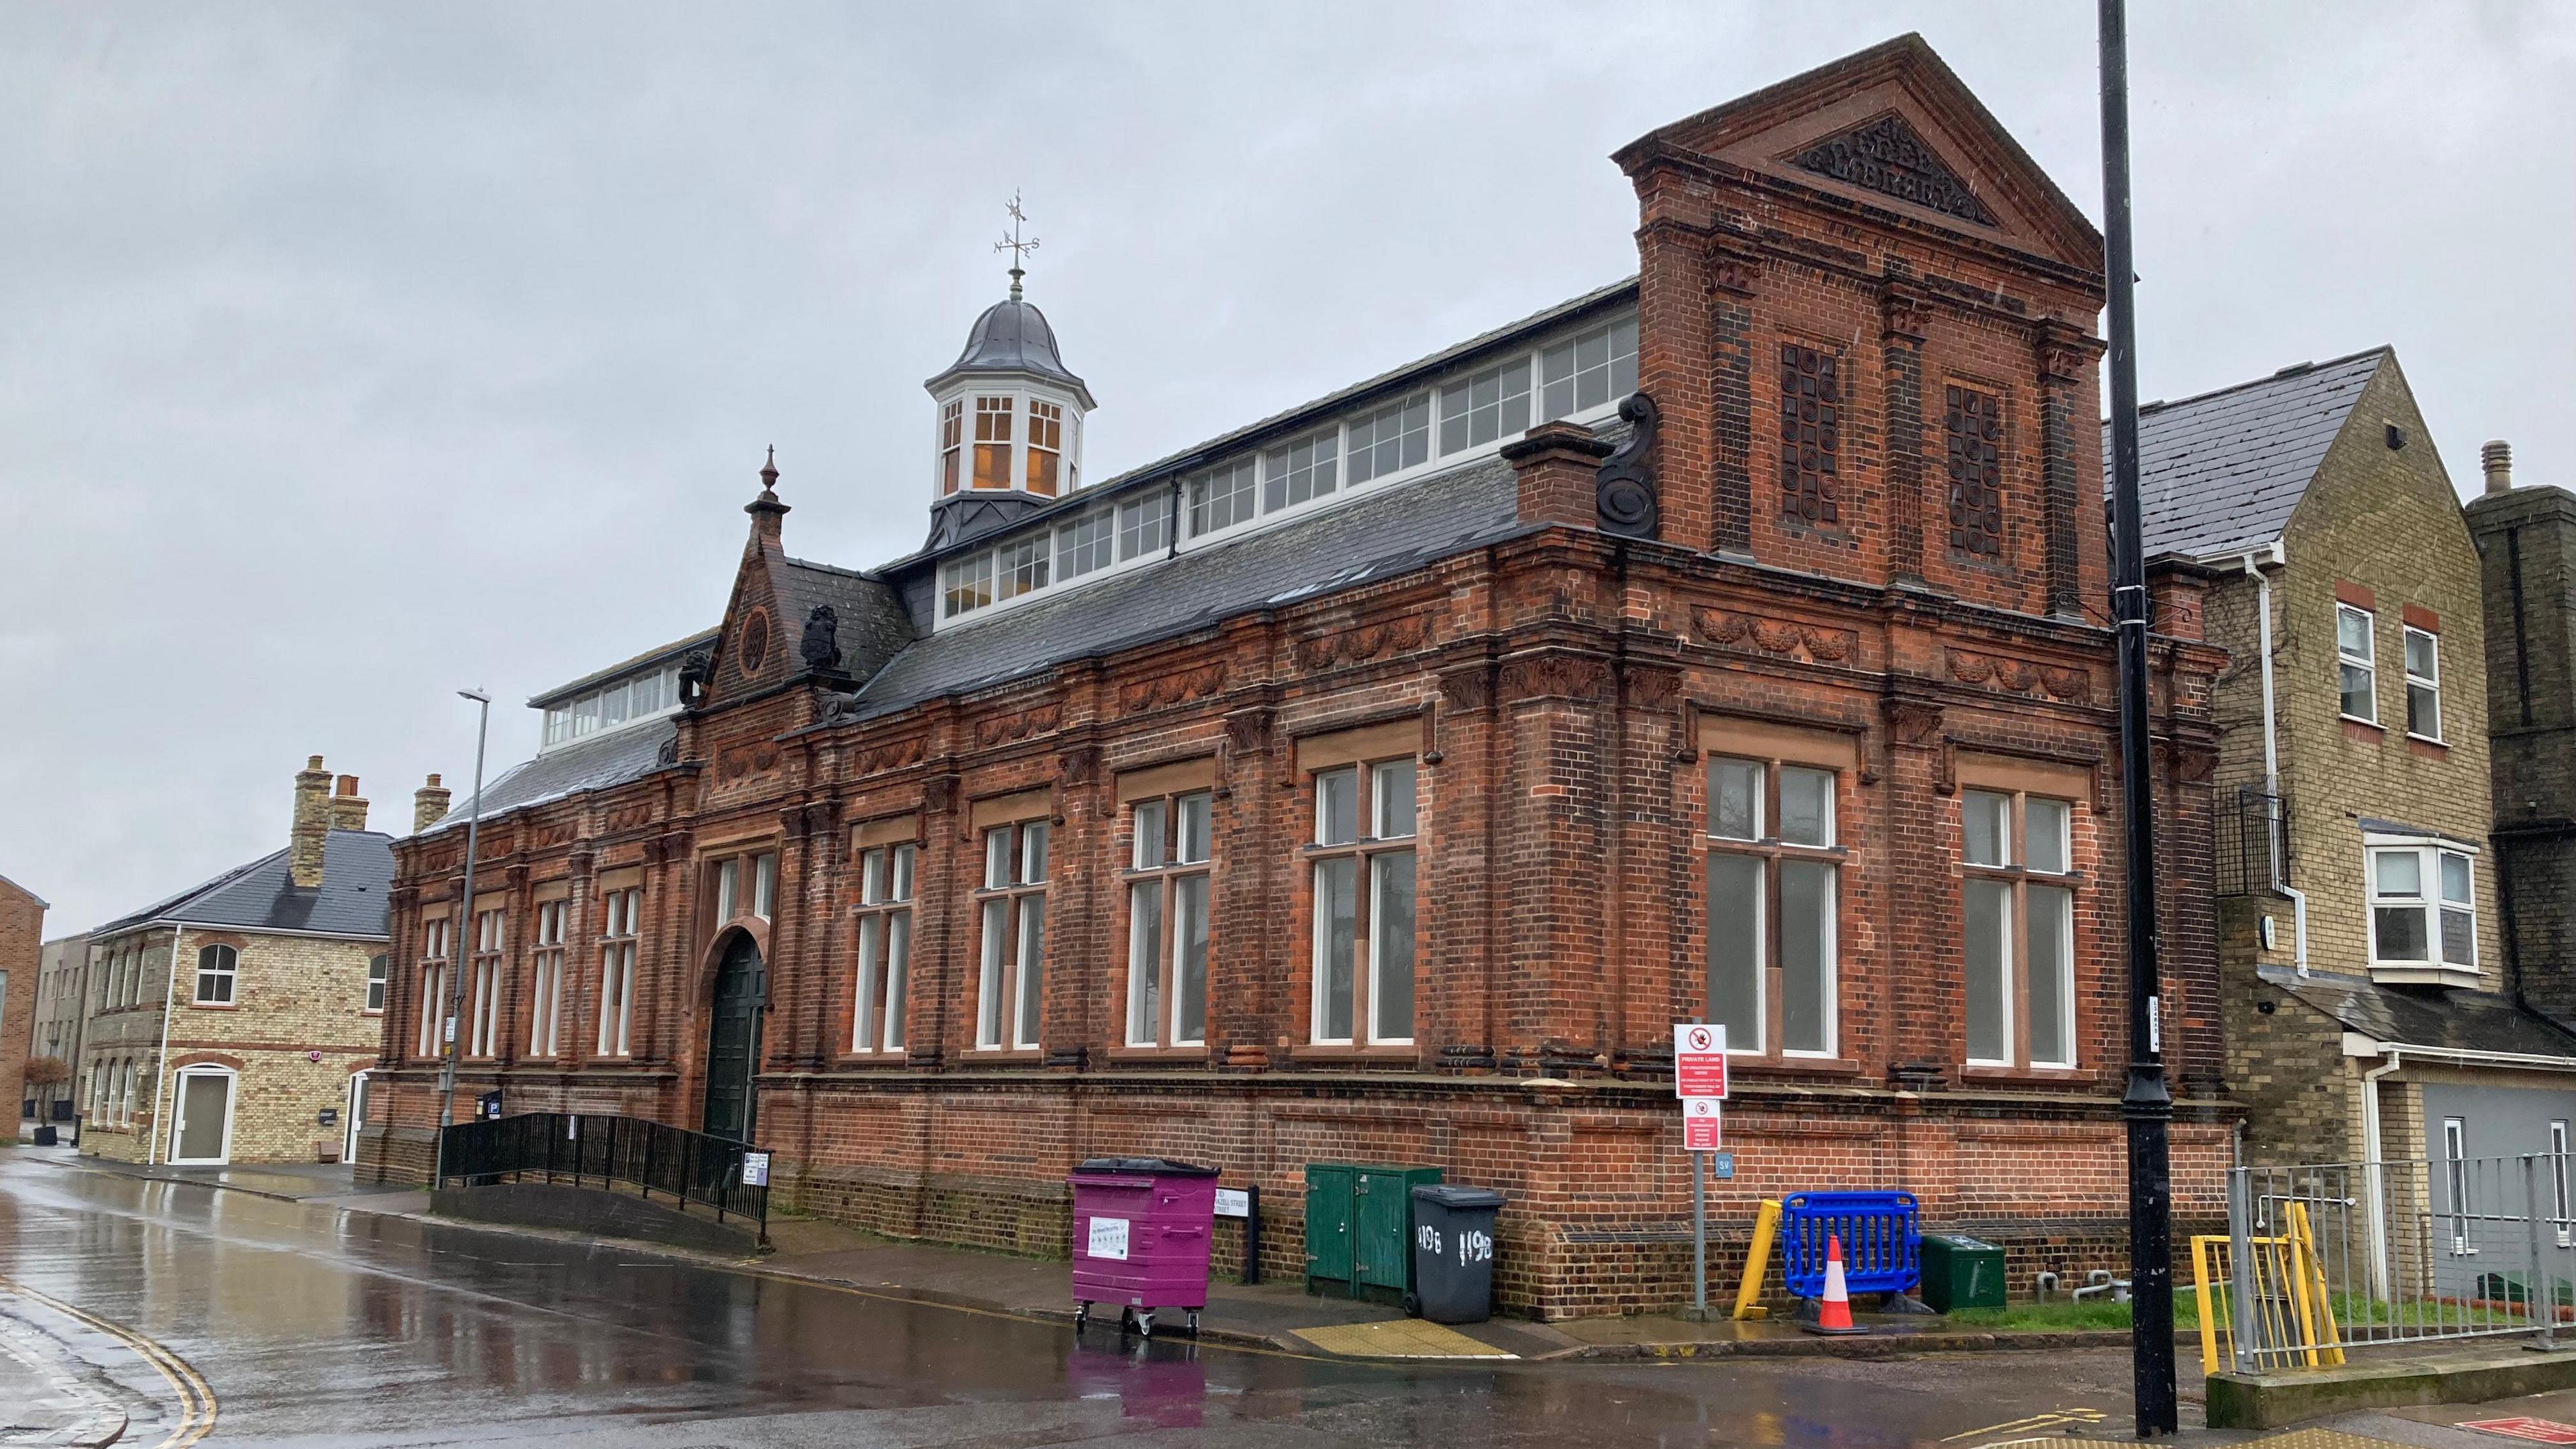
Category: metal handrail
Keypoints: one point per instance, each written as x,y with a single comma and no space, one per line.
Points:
684,1166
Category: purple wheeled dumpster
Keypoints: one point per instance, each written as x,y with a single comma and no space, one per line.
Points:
1140,1238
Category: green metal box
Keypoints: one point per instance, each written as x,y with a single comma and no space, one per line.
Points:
1359,1229
1961,1272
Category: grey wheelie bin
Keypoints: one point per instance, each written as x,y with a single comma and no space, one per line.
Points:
1453,1252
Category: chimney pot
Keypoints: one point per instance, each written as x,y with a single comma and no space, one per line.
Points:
2497,456
348,811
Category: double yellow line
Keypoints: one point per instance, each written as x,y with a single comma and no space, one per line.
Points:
196,1396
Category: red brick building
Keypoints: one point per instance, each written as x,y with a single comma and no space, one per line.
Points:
1381,781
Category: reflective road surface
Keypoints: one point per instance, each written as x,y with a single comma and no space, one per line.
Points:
314,1325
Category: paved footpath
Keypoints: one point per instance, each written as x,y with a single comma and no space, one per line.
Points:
299,1312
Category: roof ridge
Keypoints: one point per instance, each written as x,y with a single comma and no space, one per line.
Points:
2294,370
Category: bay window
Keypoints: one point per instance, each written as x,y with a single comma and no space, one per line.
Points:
2423,905
2016,852
885,946
1010,986
1774,893
1364,906
1170,838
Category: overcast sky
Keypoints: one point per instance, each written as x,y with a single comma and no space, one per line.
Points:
356,354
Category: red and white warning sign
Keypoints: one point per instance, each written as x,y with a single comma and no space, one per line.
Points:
1701,1117
1699,1059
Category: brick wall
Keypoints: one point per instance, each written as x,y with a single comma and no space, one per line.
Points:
294,997
2527,542
1559,694
22,934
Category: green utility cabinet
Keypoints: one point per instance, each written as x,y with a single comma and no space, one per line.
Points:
1961,1272
1359,1229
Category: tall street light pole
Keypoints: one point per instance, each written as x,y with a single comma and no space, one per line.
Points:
2146,1104
458,953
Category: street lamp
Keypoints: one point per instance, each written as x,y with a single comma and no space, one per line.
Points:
2146,1103
457,954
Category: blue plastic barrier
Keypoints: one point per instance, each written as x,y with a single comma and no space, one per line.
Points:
1881,1236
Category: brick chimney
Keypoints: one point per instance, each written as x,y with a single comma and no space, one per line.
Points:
1558,466
312,824
2497,458
348,809
428,805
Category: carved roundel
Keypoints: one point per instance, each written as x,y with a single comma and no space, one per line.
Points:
751,642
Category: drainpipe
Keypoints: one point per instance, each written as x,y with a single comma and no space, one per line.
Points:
161,1067
2272,761
2370,1155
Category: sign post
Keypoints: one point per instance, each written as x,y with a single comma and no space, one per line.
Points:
1699,1079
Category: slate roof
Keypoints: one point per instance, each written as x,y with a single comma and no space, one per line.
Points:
2221,472
870,621
593,764
2446,1018
1401,528
357,869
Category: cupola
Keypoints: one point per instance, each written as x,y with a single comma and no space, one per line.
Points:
1009,416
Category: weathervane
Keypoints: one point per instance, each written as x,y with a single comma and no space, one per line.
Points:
1012,243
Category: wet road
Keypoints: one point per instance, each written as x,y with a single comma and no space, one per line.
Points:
312,1325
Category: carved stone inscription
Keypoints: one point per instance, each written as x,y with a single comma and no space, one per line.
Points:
1886,156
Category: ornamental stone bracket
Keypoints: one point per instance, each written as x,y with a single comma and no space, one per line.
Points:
1737,274
2064,351
1905,314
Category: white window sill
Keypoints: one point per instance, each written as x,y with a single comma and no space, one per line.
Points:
2424,975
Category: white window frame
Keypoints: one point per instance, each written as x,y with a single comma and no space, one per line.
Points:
2431,683
437,958
1363,852
546,979
1011,947
618,934
2455,1184
888,877
228,971
488,966
379,981
2367,662
2432,902
2018,877
968,589
1164,862
1771,853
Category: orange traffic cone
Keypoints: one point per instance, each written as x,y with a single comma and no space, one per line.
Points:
1833,1315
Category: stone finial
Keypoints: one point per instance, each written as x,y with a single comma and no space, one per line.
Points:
2497,458
428,805
348,808
311,826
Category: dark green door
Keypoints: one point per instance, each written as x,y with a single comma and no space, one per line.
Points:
733,1041
1383,1210
1328,1223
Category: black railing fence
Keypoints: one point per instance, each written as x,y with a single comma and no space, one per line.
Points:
2253,836
588,1149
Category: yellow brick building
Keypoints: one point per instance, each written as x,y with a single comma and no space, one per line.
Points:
234,1022
2366,992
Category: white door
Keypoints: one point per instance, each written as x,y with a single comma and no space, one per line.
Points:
354,1118
202,1132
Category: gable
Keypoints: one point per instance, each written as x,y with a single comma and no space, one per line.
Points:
1892,128
754,646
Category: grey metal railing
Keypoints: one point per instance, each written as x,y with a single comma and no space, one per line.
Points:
597,1149
2358,1255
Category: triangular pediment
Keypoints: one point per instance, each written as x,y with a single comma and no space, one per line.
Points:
1890,127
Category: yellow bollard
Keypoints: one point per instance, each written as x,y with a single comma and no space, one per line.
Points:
1757,1259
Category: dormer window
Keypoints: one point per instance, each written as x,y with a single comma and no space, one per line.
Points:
1221,497
1046,446
993,442
1491,404
952,443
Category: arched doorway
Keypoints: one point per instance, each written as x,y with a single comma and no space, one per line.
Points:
733,1040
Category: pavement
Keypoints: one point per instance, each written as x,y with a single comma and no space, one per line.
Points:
322,1313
